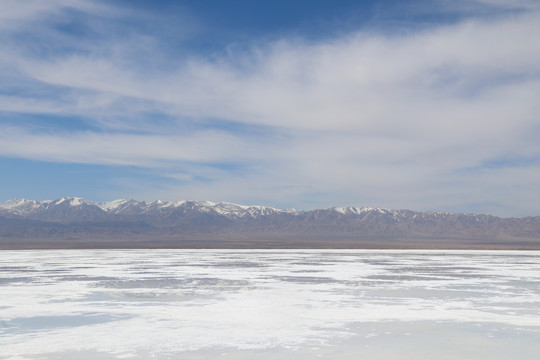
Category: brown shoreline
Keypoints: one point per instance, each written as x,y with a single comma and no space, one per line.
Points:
254,243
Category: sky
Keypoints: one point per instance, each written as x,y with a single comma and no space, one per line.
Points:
422,105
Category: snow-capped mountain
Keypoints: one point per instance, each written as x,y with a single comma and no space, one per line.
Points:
82,208
193,222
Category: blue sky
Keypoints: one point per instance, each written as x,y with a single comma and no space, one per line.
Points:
425,105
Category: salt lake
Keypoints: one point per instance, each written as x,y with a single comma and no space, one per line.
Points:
269,304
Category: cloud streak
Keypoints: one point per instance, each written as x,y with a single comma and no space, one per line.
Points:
397,120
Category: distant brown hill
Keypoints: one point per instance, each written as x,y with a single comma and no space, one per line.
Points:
79,223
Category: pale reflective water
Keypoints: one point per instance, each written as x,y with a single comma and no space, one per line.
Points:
274,304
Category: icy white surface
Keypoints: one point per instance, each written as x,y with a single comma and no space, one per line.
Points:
290,304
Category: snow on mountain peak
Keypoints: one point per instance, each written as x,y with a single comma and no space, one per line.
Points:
14,203
60,201
352,210
131,207
72,201
111,205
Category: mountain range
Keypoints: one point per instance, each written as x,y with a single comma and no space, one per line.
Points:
73,222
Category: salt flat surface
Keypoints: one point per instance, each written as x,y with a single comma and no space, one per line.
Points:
269,304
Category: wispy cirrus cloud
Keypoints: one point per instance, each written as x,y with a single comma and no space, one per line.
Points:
145,150
402,119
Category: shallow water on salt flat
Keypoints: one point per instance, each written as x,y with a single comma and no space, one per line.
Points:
269,304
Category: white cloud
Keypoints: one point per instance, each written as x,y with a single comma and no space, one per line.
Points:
511,4
123,149
17,15
392,120
359,83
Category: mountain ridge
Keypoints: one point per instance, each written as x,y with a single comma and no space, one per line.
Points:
118,205
75,222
